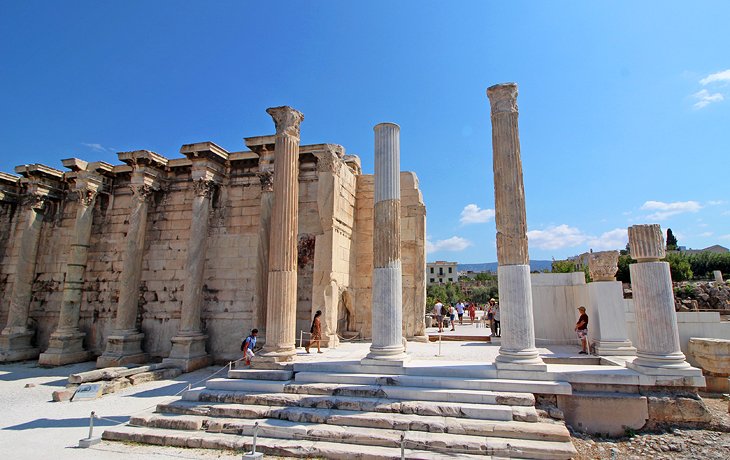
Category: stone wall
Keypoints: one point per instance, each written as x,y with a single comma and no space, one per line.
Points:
334,245
555,298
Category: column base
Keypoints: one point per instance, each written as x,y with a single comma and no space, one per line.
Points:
188,353
418,338
386,356
64,348
614,348
527,360
275,356
123,348
16,346
670,364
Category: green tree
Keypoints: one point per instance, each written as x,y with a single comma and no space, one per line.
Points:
624,261
485,276
671,240
679,266
563,266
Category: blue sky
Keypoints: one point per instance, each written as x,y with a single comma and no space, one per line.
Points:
624,106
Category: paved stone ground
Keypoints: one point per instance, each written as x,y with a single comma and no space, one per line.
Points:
686,444
33,427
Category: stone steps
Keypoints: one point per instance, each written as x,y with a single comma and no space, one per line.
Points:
272,446
527,386
364,436
247,385
260,374
387,420
484,410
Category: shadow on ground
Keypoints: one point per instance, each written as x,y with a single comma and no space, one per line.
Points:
68,423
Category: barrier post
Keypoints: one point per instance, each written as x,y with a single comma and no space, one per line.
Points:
91,440
253,454
403,446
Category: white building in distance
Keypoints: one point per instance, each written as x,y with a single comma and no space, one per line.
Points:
441,272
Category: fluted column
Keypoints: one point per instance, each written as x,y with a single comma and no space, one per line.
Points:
266,178
513,273
66,343
387,296
656,320
124,345
282,284
188,346
15,339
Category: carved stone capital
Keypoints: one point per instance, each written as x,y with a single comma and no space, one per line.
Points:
603,265
267,181
286,119
34,201
646,242
326,162
86,196
204,187
141,192
503,98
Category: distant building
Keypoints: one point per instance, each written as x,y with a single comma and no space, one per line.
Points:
716,248
580,261
441,272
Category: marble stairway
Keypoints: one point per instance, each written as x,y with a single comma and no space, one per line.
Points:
315,414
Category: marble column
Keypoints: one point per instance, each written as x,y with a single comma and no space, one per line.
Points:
16,337
188,346
387,296
282,284
66,343
517,348
266,178
656,319
606,307
124,345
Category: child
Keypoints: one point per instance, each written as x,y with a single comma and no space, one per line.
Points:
247,346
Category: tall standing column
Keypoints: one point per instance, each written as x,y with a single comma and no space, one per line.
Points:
387,297
656,320
282,285
66,342
513,273
15,339
124,345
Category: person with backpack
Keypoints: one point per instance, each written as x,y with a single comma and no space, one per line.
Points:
248,345
316,331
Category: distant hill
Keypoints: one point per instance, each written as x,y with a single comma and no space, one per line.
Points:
535,265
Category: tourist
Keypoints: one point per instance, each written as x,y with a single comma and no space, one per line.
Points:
316,331
472,312
248,345
460,311
581,328
490,314
438,312
452,317
496,325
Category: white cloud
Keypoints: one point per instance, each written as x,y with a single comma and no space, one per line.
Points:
706,234
471,214
722,76
565,236
455,243
716,202
725,237
704,98
557,237
666,210
98,147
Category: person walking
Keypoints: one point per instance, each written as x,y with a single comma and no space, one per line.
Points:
472,312
452,317
248,345
460,312
438,312
316,331
581,329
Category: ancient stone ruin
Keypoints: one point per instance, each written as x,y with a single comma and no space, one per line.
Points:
178,258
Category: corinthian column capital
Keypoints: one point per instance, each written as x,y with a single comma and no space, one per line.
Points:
204,187
34,201
286,119
267,181
503,98
141,191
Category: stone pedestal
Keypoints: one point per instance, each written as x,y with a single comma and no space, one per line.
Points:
607,326
122,348
656,320
387,295
66,343
517,350
16,338
282,283
717,274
